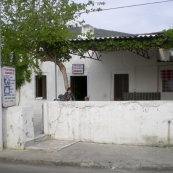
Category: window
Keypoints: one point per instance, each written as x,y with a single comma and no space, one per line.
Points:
167,86
41,87
167,80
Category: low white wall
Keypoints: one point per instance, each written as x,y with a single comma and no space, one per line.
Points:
17,126
131,123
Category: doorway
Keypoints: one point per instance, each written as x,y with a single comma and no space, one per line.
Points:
121,85
79,87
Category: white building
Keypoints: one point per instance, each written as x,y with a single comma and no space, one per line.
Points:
106,80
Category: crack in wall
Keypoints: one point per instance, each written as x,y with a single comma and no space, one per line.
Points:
84,121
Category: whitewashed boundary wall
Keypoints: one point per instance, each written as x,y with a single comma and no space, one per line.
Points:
17,126
146,123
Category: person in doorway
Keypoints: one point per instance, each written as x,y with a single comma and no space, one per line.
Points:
86,98
69,96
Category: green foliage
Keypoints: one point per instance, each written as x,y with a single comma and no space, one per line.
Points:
169,34
36,30
22,64
165,41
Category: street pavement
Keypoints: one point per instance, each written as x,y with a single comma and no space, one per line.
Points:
23,168
93,155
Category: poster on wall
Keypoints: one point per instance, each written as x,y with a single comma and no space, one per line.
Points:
8,86
77,68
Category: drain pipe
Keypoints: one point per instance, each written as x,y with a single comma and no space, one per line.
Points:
169,133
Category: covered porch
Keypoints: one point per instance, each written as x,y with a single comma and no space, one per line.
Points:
128,68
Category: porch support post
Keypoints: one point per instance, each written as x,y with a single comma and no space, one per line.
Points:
55,79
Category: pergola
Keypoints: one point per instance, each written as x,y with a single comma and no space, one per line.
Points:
150,41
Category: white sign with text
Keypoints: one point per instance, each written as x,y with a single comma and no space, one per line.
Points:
8,86
77,68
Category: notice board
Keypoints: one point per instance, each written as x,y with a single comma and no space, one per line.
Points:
77,68
8,86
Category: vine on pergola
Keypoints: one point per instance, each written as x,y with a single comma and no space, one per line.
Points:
112,44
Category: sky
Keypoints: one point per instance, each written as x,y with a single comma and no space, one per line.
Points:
135,20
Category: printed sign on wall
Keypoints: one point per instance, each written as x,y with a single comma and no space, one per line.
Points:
8,86
77,68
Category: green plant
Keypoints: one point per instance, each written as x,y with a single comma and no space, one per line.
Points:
37,30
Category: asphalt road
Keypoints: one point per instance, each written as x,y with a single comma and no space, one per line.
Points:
22,168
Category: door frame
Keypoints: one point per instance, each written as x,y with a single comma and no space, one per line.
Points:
123,84
129,72
78,75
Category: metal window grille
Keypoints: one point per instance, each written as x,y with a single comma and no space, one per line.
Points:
141,96
167,80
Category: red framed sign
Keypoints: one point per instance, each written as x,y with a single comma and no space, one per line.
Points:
78,68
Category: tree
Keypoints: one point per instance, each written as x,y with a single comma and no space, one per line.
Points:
39,30
169,43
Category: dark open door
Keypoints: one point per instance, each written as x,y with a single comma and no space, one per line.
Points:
79,87
121,85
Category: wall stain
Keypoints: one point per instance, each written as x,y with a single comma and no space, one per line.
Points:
11,127
154,141
169,134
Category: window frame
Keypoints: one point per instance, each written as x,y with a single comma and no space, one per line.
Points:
164,90
44,84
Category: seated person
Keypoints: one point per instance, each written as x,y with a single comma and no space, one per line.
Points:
86,98
69,96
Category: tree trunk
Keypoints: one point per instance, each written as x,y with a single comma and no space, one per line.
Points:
64,73
19,97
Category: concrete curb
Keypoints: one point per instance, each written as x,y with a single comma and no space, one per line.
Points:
88,164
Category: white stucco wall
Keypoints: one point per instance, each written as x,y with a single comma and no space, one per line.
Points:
130,123
142,73
143,77
26,95
17,126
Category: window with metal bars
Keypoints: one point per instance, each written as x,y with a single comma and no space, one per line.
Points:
167,80
167,85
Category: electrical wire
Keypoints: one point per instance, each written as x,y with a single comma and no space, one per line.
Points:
129,6
121,7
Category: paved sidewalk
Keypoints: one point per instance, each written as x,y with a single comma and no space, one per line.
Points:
50,145
97,155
